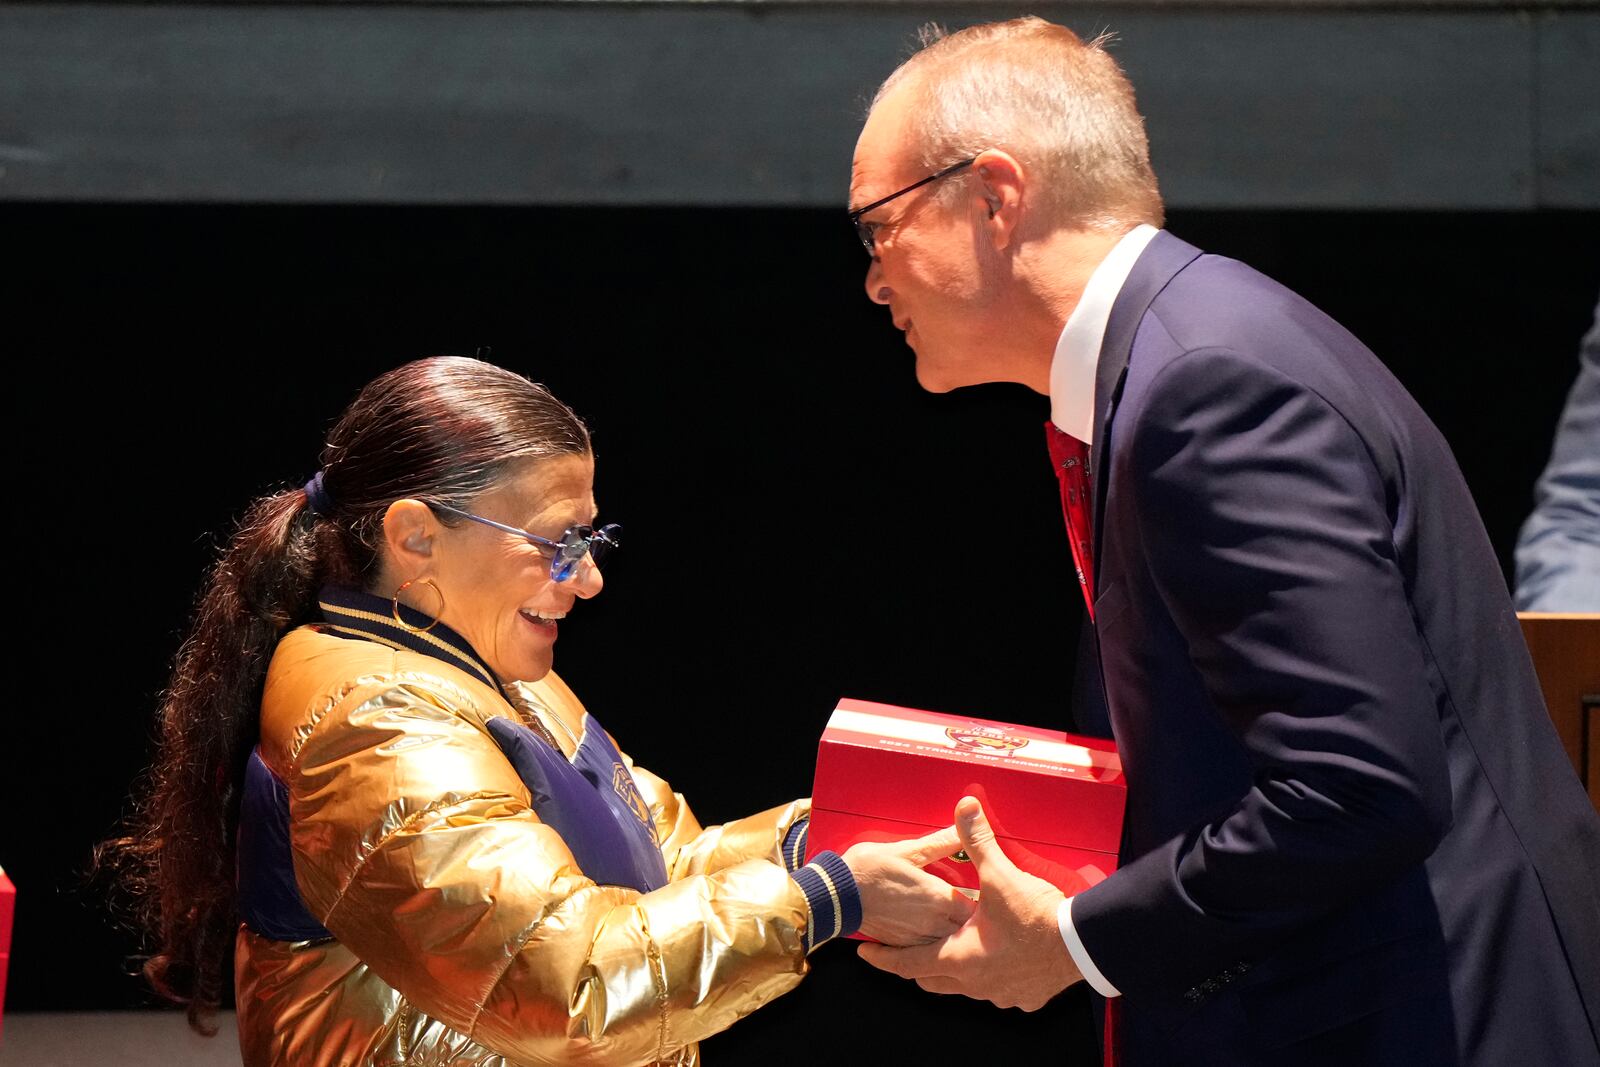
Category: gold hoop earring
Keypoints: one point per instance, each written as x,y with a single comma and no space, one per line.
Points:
394,605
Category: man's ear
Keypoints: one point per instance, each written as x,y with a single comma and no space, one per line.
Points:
410,530
999,188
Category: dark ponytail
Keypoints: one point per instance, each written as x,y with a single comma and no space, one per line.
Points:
441,430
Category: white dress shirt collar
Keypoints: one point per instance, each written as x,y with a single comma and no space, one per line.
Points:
1072,370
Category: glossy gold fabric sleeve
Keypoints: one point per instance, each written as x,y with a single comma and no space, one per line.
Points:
415,844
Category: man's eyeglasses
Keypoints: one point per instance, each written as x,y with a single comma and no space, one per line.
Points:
578,541
865,231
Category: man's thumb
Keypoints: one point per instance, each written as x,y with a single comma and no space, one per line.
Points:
977,839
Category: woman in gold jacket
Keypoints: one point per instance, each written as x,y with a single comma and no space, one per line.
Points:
424,847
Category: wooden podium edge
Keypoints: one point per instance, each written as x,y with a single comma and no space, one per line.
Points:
1565,647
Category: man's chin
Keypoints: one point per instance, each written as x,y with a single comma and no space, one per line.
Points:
935,378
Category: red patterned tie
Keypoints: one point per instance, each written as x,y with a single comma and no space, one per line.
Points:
1070,458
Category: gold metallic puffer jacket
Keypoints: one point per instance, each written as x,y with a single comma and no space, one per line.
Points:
464,931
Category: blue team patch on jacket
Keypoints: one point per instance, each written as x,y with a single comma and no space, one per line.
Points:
592,802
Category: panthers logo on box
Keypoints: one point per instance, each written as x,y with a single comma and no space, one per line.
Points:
984,739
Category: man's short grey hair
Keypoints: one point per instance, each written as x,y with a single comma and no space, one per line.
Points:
1061,105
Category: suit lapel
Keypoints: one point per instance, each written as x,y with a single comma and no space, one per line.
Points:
1160,262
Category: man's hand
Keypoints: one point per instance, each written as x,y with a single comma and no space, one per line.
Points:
1010,952
901,904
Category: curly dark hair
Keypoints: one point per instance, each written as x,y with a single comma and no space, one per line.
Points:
441,430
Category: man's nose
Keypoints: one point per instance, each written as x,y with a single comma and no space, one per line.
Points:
877,289
587,579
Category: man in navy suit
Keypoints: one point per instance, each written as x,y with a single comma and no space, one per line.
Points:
1352,836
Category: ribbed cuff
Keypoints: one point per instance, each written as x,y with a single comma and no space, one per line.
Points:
835,901
794,844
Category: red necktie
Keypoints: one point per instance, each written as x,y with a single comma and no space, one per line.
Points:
1070,458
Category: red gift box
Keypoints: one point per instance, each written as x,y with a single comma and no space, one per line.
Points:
8,901
1054,799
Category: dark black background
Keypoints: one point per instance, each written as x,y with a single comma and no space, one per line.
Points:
803,522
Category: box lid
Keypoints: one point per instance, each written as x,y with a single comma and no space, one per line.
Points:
911,765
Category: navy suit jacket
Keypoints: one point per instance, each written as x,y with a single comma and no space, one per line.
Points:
1352,835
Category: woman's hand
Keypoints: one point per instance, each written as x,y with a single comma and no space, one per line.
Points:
1011,954
901,904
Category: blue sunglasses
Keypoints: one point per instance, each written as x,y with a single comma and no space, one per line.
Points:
578,541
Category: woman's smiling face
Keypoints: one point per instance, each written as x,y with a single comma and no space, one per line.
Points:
496,586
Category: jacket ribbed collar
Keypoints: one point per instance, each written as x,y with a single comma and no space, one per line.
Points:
362,616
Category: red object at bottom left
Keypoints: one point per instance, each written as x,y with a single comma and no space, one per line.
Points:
8,902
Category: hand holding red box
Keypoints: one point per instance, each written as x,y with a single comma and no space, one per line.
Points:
902,904
1016,910
1049,826
886,774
